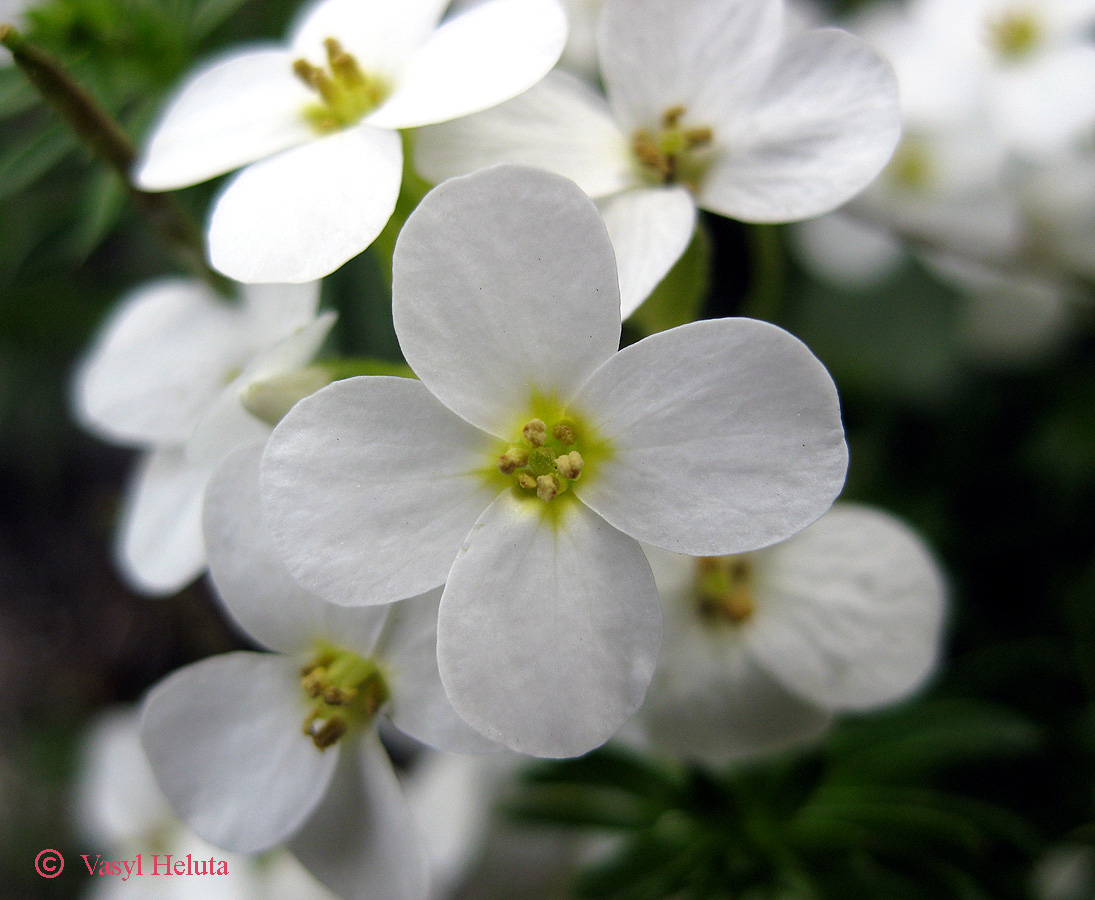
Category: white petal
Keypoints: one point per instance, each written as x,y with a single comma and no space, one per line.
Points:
849,611
158,361
370,485
1043,107
380,34
257,589
725,437
361,842
160,548
710,702
239,108
301,214
226,423
504,284
561,124
650,228
822,127
225,739
275,311
549,628
418,703
846,251
474,61
115,794
703,54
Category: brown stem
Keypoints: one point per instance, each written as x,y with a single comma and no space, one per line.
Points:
106,138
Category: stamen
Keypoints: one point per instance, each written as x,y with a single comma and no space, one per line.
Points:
513,459
570,465
669,155
563,433
535,432
724,588
347,690
548,487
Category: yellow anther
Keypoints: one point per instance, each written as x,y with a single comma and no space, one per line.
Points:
671,118
548,487
325,732
525,480
570,464
563,433
348,93
698,137
724,589
535,432
513,459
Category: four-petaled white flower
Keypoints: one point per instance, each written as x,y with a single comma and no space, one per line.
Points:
523,467
174,372
762,648
256,749
709,103
318,121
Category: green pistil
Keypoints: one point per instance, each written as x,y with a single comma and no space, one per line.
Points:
1015,35
724,589
346,691
545,461
346,92
673,154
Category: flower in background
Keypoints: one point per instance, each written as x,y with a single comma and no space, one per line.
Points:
256,749
316,122
524,467
121,812
184,376
710,103
761,649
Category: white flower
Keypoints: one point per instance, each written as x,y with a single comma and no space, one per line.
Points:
170,373
120,812
709,103
761,649
524,465
253,749
317,120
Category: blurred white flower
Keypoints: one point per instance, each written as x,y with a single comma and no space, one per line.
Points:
762,648
316,122
524,465
120,812
256,749
173,372
709,103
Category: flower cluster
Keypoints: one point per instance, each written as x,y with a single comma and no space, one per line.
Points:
461,553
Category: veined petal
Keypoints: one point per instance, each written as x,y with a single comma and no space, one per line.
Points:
726,437
370,485
381,35
650,228
252,581
418,704
549,628
703,54
275,311
492,274
237,109
301,214
361,842
225,739
475,60
160,548
158,361
560,124
226,423
820,129
849,611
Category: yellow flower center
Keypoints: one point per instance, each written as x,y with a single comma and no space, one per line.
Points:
344,691
673,153
1015,35
911,166
545,460
724,589
346,92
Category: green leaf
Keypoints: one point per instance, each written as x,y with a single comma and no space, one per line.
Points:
27,158
208,14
